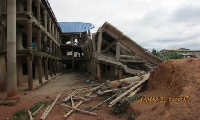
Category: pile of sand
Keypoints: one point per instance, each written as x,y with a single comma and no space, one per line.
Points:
172,78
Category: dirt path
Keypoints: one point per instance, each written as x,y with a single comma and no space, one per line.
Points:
63,83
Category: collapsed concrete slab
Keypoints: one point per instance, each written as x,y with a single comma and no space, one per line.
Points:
110,54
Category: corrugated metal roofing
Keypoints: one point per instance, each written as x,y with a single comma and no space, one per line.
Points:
75,27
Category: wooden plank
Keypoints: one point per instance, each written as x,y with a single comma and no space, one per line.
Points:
82,111
125,93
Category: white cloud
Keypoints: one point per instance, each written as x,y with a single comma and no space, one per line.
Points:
158,24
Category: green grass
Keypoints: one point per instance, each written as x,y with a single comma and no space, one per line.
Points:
23,114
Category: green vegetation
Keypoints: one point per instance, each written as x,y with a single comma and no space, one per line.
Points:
167,56
23,114
121,108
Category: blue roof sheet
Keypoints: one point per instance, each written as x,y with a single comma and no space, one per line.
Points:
75,27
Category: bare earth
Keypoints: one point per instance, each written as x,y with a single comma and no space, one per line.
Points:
63,83
177,79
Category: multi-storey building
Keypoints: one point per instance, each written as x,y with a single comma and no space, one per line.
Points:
37,42
34,46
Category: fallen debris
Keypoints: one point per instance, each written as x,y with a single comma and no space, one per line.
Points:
82,111
50,108
71,111
125,93
38,110
30,115
103,102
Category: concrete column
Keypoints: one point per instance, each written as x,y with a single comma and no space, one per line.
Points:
39,58
3,34
30,74
54,67
53,48
50,47
29,56
117,57
49,28
117,51
11,49
38,45
45,26
2,73
94,43
40,69
45,45
55,35
39,42
51,68
56,50
99,79
38,11
120,74
73,66
29,34
46,69
52,29
29,6
3,6
99,41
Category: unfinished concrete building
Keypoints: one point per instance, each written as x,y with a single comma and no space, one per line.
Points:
37,42
74,34
34,46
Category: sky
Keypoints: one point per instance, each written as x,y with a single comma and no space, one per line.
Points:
158,24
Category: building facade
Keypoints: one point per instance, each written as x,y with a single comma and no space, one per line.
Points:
37,42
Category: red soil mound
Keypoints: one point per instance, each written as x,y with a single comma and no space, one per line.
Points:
174,78
173,75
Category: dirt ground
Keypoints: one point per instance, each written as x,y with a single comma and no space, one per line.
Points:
63,83
176,79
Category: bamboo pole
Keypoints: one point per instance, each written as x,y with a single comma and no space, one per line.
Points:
30,115
38,110
125,93
71,111
51,107
103,102
45,111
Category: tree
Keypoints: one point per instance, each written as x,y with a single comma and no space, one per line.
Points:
167,56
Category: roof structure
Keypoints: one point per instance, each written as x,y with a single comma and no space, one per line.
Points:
75,27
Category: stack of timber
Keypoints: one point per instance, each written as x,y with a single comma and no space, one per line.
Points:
124,88
127,87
